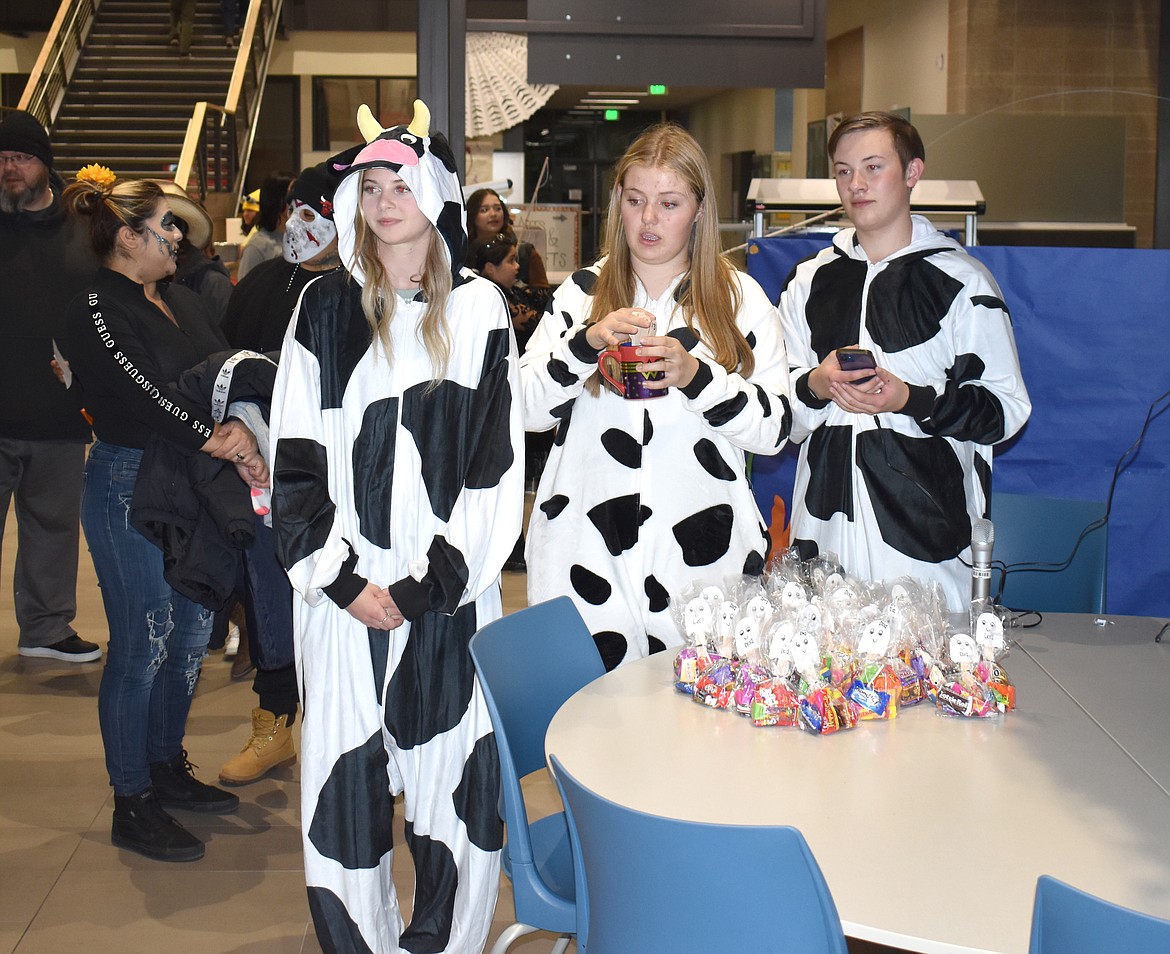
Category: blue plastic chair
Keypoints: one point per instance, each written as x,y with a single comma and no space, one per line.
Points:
1044,530
647,883
1066,920
529,663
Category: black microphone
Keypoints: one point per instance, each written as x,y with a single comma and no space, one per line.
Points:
982,540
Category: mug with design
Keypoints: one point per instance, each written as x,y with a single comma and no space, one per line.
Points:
630,382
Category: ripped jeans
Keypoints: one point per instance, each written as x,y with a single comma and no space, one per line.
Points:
158,638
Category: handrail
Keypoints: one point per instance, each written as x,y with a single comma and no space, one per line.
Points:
59,54
219,139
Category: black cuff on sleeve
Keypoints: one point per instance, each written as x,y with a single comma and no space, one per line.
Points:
701,379
805,393
581,349
348,585
410,596
920,404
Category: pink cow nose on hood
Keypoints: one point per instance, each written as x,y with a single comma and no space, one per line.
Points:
388,150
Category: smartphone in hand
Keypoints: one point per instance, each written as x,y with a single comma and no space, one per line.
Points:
856,359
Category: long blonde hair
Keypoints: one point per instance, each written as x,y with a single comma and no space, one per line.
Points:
380,298
709,292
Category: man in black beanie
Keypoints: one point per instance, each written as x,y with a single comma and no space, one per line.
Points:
44,261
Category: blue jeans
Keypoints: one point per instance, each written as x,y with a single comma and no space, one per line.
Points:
158,638
267,602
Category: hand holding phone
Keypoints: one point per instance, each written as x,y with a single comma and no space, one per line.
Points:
856,359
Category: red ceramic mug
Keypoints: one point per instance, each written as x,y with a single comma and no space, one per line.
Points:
630,382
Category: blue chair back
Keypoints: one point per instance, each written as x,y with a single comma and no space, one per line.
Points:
647,883
1066,920
529,663
1044,530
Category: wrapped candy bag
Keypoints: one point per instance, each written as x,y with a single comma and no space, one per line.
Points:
715,685
876,688
823,708
697,622
956,688
752,670
842,617
784,566
824,573
989,637
908,609
725,617
775,702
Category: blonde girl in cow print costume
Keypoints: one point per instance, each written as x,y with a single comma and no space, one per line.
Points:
397,496
641,497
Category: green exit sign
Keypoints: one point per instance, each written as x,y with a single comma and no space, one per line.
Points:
611,115
657,89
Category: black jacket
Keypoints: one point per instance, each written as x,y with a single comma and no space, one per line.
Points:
45,260
194,507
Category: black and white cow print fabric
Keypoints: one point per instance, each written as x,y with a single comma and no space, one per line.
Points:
640,498
381,474
895,494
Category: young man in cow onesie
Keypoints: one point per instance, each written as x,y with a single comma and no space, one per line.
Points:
895,462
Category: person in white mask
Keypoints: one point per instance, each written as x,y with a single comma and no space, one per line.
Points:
257,315
264,299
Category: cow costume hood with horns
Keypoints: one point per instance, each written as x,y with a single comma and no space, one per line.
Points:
423,161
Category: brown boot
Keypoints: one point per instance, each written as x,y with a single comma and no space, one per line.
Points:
242,665
270,747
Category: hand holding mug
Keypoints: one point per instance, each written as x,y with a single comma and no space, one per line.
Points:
678,366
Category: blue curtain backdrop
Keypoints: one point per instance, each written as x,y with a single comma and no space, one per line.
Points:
1092,330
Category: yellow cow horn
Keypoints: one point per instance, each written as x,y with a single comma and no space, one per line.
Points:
421,124
370,128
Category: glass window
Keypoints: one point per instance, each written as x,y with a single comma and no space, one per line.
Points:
336,100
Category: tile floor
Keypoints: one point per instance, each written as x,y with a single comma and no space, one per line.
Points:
64,887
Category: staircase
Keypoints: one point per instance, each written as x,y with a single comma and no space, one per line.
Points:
131,96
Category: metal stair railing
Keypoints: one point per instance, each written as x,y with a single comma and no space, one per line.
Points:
59,55
219,138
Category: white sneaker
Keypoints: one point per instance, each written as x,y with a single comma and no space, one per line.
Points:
231,645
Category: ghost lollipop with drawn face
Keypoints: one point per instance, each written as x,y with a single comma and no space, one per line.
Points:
747,637
759,609
697,621
725,626
806,656
874,643
793,595
964,651
989,636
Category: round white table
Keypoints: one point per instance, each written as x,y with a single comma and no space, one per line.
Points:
931,831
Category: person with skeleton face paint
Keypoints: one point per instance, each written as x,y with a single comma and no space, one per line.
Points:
132,335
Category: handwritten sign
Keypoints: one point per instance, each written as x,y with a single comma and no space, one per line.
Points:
554,231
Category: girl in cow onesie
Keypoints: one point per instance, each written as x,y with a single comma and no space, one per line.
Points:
397,496
641,498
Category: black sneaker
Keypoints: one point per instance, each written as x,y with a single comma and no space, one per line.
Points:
141,825
176,786
70,649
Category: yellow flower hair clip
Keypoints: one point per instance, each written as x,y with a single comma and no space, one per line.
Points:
96,175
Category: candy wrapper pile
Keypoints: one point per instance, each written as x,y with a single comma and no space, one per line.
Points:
808,646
